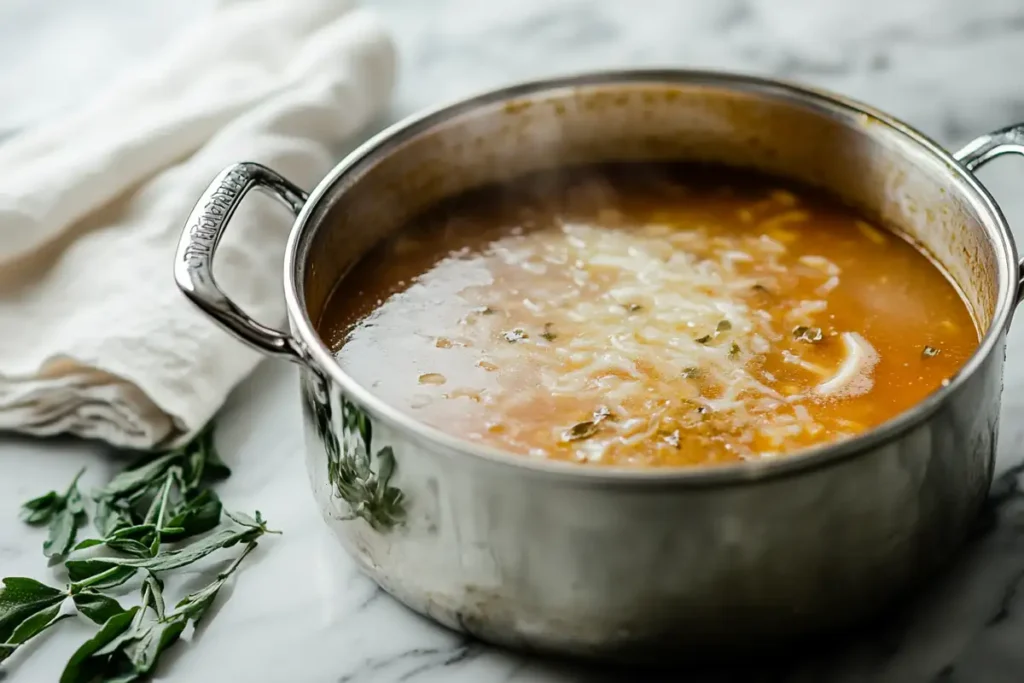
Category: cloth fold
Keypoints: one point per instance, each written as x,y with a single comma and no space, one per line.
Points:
95,339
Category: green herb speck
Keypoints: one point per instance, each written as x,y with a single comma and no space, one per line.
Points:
513,336
810,335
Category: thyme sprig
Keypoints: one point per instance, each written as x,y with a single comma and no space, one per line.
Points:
157,515
63,514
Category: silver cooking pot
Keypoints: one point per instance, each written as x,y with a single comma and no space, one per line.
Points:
625,563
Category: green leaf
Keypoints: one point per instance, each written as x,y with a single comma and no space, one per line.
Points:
130,546
80,570
243,519
136,532
37,517
135,652
197,516
110,515
62,533
144,650
32,627
37,623
153,594
87,543
39,510
154,505
73,498
214,469
139,477
21,598
81,668
66,513
196,604
203,461
96,607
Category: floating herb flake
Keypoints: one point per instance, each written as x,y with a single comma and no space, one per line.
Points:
695,406
691,373
723,326
484,310
703,340
513,336
634,308
811,335
580,430
929,352
548,335
734,350
585,430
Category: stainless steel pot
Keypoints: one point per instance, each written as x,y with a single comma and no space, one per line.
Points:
607,562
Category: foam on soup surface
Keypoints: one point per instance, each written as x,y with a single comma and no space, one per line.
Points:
648,315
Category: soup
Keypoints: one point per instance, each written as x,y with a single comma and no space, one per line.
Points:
648,315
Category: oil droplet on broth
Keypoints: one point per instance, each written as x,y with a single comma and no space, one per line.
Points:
420,401
435,378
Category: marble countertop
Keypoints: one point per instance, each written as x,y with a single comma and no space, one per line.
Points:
299,611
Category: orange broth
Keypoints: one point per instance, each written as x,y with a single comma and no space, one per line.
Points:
648,315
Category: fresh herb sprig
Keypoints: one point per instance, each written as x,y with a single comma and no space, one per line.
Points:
141,517
62,513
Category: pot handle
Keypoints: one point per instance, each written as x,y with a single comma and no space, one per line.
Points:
978,152
981,150
193,262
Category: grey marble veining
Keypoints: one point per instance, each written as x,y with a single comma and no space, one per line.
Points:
300,611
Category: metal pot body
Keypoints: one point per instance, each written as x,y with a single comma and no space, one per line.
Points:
622,564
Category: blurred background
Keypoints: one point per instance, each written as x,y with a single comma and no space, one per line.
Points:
948,67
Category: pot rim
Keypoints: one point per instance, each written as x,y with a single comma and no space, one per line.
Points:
729,474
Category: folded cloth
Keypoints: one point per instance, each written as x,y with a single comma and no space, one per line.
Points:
95,339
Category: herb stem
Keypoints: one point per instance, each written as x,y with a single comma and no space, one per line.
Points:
238,560
164,495
77,586
147,597
74,482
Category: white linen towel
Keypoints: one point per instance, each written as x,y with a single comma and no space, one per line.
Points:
95,338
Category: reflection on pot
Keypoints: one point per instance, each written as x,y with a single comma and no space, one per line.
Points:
350,462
